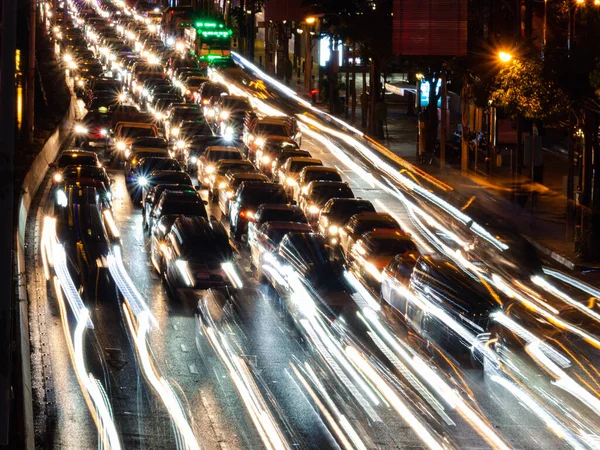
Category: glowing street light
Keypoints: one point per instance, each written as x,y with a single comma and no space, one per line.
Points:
310,20
505,57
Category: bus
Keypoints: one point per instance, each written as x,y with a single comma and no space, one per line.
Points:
208,38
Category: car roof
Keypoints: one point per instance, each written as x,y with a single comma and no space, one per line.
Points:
319,183
222,148
278,206
249,176
292,226
305,159
387,233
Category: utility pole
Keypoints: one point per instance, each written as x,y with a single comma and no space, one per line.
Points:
7,150
31,73
464,101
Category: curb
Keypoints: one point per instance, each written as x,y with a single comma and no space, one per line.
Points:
31,183
553,255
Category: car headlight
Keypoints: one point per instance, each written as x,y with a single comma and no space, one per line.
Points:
266,159
305,189
61,198
312,209
139,88
184,270
80,83
142,181
333,229
193,159
175,131
158,115
222,185
180,144
210,112
121,145
260,142
224,115
80,129
291,182
58,177
209,169
103,131
127,153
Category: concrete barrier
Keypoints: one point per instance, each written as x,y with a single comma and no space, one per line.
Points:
31,183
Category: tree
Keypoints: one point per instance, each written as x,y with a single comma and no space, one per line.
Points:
523,90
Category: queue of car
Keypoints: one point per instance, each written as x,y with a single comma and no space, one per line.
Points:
156,111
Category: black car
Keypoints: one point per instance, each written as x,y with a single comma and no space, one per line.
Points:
152,165
93,130
187,203
461,305
281,157
318,193
153,196
197,145
336,213
246,201
197,256
268,212
85,176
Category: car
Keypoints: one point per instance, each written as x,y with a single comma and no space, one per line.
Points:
207,163
267,238
290,172
197,255
374,250
281,157
177,114
361,223
126,132
301,269
85,176
233,181
142,173
166,177
153,196
210,91
268,212
270,150
75,157
191,85
218,179
335,214
256,130
143,148
318,193
229,115
92,131
314,173
461,304
187,203
247,199
197,145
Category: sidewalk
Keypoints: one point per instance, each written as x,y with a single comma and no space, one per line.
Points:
539,211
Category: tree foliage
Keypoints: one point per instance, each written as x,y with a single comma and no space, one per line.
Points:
522,89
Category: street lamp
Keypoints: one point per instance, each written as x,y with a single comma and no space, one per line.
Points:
505,57
310,20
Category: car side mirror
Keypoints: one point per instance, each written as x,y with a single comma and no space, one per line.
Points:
205,202
112,181
198,188
52,165
293,202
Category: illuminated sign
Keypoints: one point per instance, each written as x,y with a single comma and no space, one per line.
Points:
424,91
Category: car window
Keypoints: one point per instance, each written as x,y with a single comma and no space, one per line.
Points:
217,155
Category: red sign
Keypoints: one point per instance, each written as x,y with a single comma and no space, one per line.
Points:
429,27
284,10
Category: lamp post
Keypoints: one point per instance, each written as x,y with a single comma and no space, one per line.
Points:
309,21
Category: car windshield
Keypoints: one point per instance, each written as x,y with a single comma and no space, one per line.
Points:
189,114
257,195
217,155
84,172
321,194
275,235
371,224
242,167
343,211
203,251
188,207
214,90
284,155
194,81
74,159
392,246
194,128
150,143
202,142
297,166
172,178
236,104
308,249
135,132
148,165
272,215
322,175
271,129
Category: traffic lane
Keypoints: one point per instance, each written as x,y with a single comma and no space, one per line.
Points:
208,396
61,416
266,342
109,355
515,423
